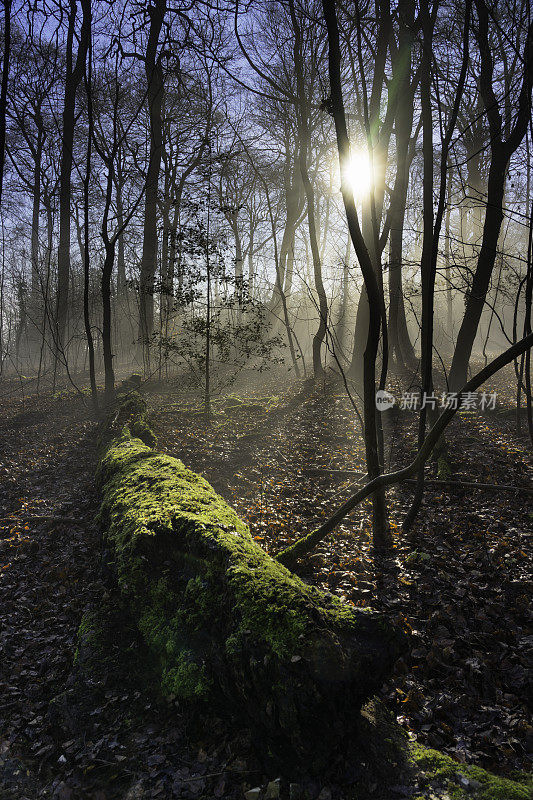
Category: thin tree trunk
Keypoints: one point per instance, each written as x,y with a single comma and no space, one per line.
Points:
86,255
107,271
427,266
74,75
303,111
35,285
36,206
430,246
400,346
154,77
381,532
341,327
447,267
3,96
250,254
122,284
293,208
501,152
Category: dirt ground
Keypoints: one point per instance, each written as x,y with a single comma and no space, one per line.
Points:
284,459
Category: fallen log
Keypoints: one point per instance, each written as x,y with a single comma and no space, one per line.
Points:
228,624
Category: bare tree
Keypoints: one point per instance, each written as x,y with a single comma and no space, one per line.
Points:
501,150
74,74
155,94
3,89
381,531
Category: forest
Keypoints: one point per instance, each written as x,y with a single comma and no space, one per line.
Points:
266,410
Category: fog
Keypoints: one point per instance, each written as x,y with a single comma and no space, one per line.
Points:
172,204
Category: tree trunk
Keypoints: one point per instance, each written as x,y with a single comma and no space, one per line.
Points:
72,81
501,152
381,531
318,338
400,346
430,247
428,264
3,95
154,77
447,267
239,260
107,271
293,208
122,283
342,321
36,206
303,112
85,251
35,309
485,264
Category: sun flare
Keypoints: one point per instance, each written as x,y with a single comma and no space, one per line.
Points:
359,173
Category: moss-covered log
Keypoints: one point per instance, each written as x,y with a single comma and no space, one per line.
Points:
228,623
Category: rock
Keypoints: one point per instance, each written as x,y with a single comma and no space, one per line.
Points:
325,794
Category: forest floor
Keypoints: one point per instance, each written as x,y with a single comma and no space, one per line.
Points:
284,459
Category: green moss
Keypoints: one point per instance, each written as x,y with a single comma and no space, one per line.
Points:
131,405
119,459
220,619
97,644
436,768
187,678
89,633
141,430
130,410
201,559
182,673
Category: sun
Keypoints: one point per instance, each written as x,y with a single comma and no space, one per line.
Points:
359,173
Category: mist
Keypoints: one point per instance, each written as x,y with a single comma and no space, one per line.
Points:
266,296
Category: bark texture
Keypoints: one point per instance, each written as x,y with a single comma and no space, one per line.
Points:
154,78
